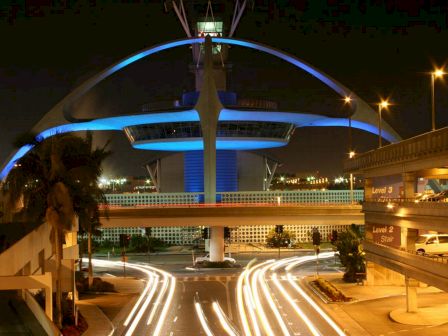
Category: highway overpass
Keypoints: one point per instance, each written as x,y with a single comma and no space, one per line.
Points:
232,215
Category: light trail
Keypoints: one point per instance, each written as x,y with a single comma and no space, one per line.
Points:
153,281
313,304
267,294
202,319
166,306
254,279
223,320
140,299
296,308
259,307
159,299
240,299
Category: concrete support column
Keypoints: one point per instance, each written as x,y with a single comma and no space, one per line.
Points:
216,243
368,184
408,238
409,185
370,273
209,108
411,295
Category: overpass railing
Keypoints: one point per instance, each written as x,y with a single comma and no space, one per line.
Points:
327,197
418,147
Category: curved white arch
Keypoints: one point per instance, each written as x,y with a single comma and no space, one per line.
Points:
59,117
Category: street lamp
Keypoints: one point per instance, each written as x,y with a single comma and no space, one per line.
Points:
381,105
438,73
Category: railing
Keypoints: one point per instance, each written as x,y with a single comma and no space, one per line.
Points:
434,208
418,147
317,197
437,258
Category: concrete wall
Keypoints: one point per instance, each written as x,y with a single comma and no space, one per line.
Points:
28,254
250,171
172,173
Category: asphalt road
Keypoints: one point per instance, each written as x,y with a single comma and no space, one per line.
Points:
209,286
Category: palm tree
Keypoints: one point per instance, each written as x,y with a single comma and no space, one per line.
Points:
88,195
53,181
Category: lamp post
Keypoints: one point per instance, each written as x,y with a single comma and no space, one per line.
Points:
382,105
351,152
438,73
351,155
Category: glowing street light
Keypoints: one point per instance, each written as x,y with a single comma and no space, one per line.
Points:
438,73
381,105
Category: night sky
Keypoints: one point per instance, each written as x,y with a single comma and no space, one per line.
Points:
376,48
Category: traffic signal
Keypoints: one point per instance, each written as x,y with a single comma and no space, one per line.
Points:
334,236
124,239
226,232
316,237
205,233
279,229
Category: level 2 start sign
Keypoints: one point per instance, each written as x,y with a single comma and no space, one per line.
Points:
387,235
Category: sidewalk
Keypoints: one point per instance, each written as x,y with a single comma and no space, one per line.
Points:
369,313
105,312
98,323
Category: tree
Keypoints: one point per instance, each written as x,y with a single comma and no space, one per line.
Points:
87,195
275,239
53,181
350,252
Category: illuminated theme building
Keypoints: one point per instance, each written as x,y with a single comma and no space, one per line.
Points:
210,130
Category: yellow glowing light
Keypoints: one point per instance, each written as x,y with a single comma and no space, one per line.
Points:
438,73
390,205
384,104
351,155
347,99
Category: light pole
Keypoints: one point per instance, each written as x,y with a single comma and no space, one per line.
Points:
351,155
438,73
382,105
351,152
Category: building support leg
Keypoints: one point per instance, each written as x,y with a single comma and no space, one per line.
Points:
411,295
216,243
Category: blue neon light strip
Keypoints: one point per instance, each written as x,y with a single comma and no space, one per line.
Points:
117,123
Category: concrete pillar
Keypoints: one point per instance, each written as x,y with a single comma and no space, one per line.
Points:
370,273
368,184
411,295
216,243
408,238
409,185
209,108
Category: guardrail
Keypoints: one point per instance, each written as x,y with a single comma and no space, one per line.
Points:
418,147
441,259
240,198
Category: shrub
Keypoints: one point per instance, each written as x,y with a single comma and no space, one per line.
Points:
330,290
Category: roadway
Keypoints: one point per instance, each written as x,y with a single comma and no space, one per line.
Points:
209,302
231,215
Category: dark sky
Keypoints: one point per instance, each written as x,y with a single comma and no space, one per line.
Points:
376,48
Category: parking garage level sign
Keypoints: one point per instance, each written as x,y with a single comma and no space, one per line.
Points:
389,235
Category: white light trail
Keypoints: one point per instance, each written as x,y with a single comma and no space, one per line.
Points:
239,297
140,299
223,320
251,307
297,309
259,307
202,319
267,294
159,298
166,307
313,304
152,285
